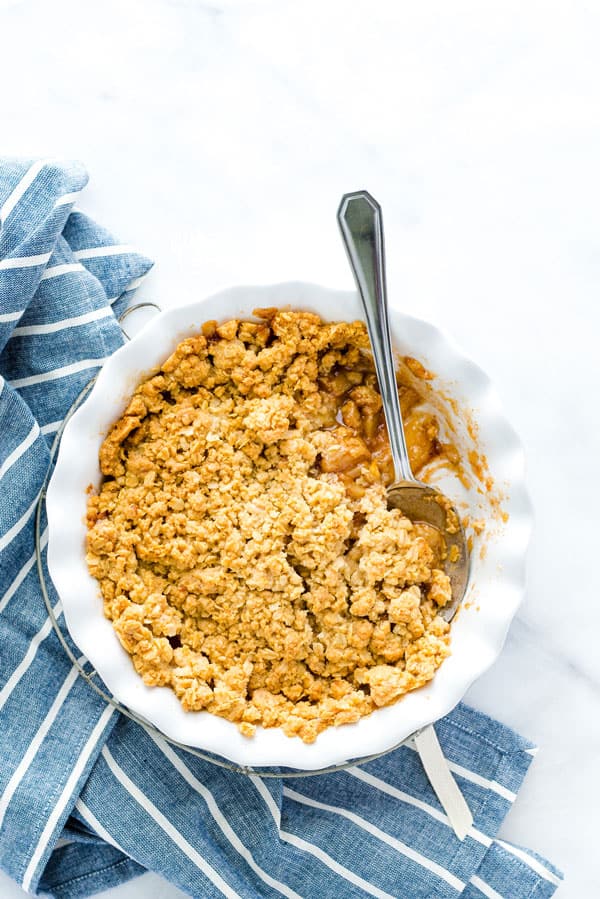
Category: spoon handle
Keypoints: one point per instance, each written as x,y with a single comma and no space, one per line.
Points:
360,220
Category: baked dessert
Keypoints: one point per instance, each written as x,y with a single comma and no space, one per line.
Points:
241,538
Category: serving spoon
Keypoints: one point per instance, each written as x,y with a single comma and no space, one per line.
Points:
361,224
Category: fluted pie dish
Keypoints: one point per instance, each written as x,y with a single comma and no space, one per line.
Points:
477,462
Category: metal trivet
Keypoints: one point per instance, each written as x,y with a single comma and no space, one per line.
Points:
90,676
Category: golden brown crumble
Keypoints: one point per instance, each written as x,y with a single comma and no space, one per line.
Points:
241,537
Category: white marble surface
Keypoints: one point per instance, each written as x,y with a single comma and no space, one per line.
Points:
219,137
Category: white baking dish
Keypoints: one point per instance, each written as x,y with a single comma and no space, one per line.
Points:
497,577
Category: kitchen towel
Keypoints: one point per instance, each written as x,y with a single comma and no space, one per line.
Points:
89,798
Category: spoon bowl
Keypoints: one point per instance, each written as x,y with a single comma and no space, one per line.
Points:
426,505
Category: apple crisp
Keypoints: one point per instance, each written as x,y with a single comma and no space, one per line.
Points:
241,537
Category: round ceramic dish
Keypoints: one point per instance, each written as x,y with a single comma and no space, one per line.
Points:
497,576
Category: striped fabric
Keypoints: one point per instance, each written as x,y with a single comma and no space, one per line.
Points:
89,799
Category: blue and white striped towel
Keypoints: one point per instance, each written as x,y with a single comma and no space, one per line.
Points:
121,800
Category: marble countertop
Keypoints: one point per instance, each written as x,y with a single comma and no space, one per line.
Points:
219,137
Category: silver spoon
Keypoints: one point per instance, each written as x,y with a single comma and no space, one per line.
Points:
360,221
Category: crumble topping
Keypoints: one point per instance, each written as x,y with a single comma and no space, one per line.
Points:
241,537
